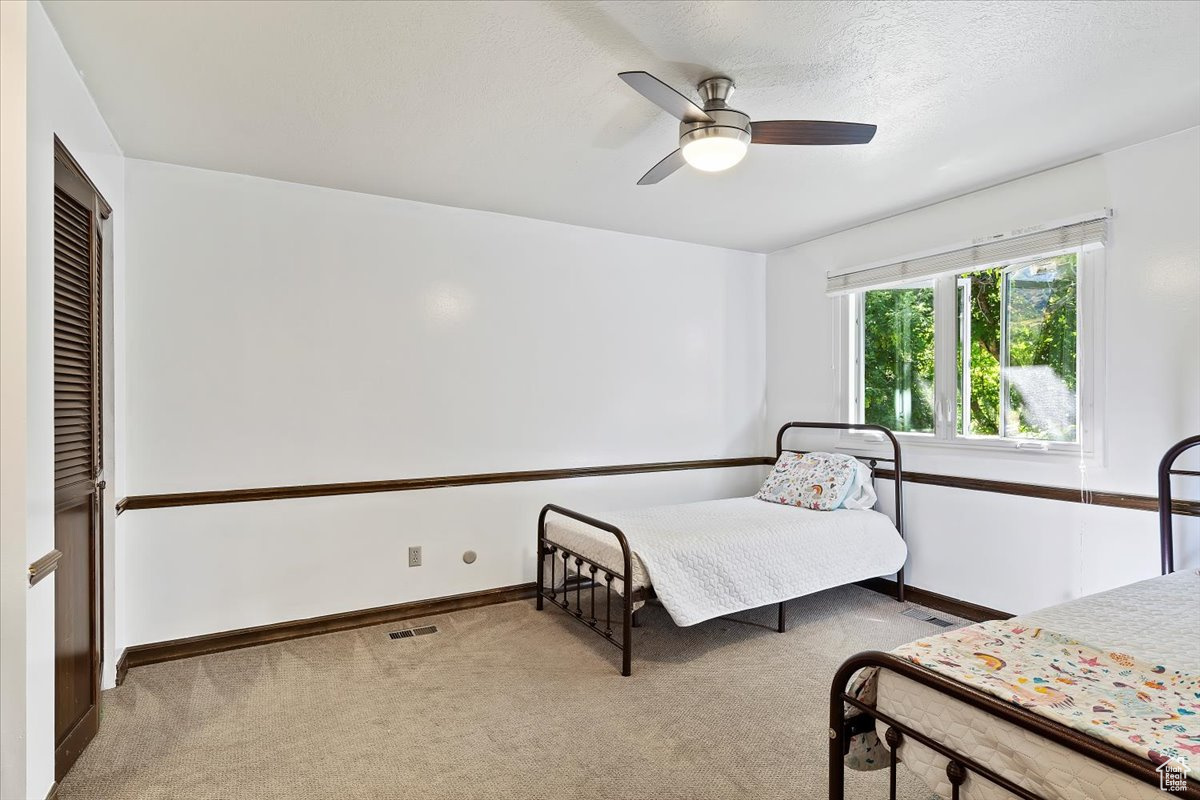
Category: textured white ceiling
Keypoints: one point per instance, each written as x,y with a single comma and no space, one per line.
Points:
517,108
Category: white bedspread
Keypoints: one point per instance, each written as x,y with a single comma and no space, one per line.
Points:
719,557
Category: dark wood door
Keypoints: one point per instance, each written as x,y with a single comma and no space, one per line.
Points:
78,460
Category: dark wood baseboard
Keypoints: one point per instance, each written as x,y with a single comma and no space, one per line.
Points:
938,602
122,667
53,793
142,654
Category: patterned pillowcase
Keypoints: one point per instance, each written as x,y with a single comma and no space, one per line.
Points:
819,481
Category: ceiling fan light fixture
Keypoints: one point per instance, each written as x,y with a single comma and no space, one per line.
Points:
714,149
715,137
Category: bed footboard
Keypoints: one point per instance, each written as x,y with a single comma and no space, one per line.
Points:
959,768
589,577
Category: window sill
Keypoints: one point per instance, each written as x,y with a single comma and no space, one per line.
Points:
973,447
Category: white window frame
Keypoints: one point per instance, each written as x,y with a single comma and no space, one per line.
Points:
1090,365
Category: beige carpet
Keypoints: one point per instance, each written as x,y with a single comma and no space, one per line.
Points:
503,702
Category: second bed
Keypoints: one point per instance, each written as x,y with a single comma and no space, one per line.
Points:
709,559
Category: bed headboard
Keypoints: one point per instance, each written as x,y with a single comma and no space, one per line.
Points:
870,461
1166,468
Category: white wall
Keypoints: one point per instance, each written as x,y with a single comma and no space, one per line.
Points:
58,103
220,567
13,560
285,334
1013,553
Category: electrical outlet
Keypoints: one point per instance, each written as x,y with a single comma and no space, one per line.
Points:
414,556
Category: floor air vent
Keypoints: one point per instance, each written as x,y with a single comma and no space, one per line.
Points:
917,613
408,633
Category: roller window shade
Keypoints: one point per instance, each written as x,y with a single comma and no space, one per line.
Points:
1089,232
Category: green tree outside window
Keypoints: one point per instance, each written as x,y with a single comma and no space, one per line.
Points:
1022,316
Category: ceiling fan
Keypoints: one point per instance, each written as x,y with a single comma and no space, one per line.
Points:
715,137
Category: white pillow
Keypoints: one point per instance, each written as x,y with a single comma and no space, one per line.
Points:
862,493
819,481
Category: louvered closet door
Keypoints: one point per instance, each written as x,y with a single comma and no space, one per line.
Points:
77,465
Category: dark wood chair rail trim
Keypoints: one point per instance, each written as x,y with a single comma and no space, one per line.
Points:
1061,493
43,566
411,484
142,654
1064,494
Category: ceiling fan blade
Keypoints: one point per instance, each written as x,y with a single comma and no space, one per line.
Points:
663,168
807,131
664,97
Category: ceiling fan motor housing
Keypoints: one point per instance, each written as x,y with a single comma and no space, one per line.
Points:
727,123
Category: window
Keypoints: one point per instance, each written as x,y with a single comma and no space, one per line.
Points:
1000,355
1018,330
898,358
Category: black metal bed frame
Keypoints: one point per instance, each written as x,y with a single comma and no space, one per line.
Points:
958,766
590,576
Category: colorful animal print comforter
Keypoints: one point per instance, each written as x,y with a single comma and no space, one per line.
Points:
1150,709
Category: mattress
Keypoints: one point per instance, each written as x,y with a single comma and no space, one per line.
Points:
1156,620
719,557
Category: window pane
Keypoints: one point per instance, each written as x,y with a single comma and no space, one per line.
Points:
980,313
1023,316
1040,361
898,358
